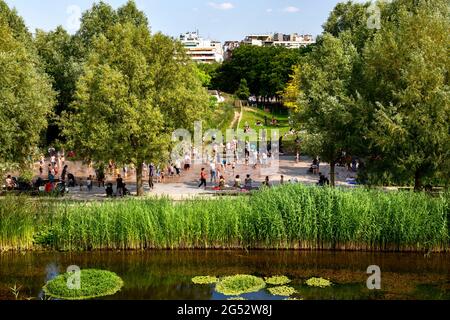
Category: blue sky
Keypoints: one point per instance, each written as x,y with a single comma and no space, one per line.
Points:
216,19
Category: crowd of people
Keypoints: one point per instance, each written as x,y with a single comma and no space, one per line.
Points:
221,165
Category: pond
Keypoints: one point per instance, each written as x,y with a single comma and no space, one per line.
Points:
161,275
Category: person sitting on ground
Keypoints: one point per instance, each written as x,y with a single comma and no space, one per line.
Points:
248,182
49,187
110,191
315,166
323,181
10,185
71,180
222,183
237,182
266,182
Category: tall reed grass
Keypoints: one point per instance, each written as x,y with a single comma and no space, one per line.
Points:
289,217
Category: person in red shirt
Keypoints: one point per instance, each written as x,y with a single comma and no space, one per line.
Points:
202,178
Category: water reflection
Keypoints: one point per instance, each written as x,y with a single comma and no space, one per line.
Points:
158,275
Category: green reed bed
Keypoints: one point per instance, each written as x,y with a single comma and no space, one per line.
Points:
289,217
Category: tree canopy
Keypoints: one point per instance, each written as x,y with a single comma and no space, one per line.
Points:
26,96
135,90
385,97
266,70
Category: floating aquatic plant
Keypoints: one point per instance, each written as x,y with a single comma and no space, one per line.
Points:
277,280
284,291
318,282
93,284
236,299
205,280
240,284
293,299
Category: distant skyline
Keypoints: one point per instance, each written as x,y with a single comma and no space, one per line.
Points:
218,20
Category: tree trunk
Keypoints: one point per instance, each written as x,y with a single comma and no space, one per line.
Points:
139,181
418,181
333,174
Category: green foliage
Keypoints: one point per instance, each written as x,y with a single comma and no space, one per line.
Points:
62,61
324,107
243,92
288,217
208,72
220,117
350,17
266,69
26,96
93,284
283,291
136,89
318,282
407,93
240,284
205,280
277,280
382,94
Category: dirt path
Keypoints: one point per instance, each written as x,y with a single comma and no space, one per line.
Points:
237,117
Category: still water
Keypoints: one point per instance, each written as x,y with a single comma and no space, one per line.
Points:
160,275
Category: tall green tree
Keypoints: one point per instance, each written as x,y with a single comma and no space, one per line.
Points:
60,56
243,92
350,17
136,89
95,21
407,92
26,96
129,13
325,102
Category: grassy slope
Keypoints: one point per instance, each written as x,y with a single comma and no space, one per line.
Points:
252,115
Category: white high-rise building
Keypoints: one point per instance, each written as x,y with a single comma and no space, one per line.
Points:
202,50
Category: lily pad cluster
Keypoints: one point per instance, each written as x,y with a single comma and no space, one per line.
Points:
278,280
205,280
235,286
240,284
283,291
318,282
92,284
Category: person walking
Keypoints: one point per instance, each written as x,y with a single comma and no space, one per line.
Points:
202,178
151,170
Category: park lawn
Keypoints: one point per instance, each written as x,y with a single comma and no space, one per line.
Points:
253,115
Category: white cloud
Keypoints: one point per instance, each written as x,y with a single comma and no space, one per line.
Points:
291,9
221,6
269,10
